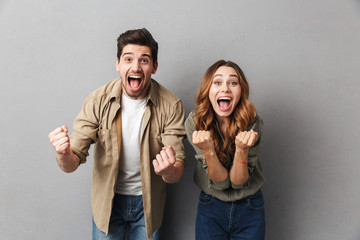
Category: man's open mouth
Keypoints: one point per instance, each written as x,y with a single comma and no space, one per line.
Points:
134,82
224,103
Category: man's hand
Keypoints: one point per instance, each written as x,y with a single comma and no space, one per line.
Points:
164,161
66,159
166,165
245,140
203,140
60,140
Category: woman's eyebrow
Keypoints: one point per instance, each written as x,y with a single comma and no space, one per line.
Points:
218,75
234,75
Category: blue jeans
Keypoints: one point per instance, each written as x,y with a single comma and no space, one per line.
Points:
127,215
219,220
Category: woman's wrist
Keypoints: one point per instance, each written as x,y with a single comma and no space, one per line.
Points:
209,152
241,156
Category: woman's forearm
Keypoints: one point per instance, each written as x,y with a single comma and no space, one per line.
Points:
239,172
217,172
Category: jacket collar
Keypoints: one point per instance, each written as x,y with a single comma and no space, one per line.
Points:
152,94
116,91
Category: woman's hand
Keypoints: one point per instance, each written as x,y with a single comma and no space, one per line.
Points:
203,140
245,140
239,173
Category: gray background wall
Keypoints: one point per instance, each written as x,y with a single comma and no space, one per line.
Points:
301,59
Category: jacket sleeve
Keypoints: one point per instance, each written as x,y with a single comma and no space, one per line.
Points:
174,132
85,129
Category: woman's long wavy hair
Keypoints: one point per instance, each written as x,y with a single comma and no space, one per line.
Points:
243,114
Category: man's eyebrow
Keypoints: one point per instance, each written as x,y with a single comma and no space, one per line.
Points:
130,53
146,55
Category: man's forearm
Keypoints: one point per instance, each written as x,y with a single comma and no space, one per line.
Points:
176,173
68,162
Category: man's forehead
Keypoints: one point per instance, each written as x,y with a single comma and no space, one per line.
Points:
133,49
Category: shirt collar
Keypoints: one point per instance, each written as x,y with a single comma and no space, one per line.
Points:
116,91
152,94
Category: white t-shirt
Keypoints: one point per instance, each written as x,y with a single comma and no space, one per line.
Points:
132,113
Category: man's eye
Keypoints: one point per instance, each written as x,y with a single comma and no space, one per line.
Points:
144,60
127,59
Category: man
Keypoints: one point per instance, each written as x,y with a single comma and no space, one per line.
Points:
137,127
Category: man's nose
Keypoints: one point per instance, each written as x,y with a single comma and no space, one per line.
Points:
136,66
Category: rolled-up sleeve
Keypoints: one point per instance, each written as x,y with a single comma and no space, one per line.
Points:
84,129
174,132
225,184
221,185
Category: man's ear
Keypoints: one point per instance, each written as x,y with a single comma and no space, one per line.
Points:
117,64
155,67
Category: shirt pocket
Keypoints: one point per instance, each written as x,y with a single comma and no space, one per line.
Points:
104,137
256,201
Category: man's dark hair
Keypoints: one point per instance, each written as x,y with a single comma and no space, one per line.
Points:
139,37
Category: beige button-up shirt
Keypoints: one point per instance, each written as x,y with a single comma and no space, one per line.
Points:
99,122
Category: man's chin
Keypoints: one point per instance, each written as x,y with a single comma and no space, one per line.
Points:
133,94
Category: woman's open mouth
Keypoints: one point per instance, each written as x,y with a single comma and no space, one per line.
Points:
224,103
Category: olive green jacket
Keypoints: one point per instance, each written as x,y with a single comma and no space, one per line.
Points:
226,190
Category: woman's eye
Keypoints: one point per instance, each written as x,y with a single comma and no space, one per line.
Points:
233,83
217,82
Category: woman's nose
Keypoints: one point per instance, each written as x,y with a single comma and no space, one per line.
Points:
225,87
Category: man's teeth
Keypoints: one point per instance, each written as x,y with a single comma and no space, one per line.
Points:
138,77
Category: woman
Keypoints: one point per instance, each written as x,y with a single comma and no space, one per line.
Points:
225,131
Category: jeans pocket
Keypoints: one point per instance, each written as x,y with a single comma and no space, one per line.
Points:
205,199
256,201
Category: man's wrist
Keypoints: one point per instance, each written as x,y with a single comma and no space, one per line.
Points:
174,174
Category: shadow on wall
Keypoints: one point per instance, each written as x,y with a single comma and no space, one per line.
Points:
181,203
356,8
287,158
357,3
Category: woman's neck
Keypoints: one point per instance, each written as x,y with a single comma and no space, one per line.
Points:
223,124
